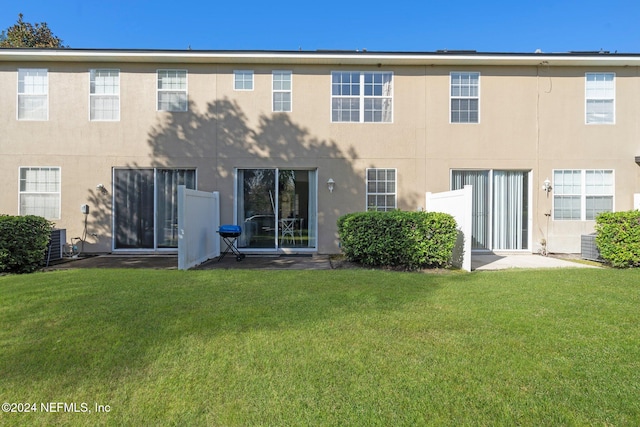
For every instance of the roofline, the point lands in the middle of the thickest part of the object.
(319, 57)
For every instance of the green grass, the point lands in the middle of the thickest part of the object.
(341, 347)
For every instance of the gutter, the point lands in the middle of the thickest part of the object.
(320, 57)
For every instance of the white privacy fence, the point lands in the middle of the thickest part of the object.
(198, 222)
(458, 204)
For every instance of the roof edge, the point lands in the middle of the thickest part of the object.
(357, 57)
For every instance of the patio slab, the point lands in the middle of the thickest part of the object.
(507, 261)
(265, 262)
(170, 262)
(298, 262)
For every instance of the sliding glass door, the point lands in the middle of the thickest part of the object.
(500, 207)
(145, 207)
(276, 208)
(510, 210)
(479, 180)
(256, 207)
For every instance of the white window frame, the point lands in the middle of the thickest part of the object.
(584, 192)
(243, 78)
(381, 192)
(173, 90)
(40, 187)
(464, 97)
(600, 94)
(96, 95)
(280, 91)
(35, 91)
(364, 94)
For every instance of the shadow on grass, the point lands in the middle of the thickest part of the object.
(98, 325)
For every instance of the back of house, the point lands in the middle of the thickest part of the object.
(98, 141)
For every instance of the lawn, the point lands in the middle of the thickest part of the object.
(340, 347)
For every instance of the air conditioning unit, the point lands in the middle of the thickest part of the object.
(56, 244)
(589, 249)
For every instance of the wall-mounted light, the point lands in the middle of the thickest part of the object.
(546, 186)
(330, 184)
(101, 189)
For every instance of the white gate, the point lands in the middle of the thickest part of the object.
(457, 203)
(198, 222)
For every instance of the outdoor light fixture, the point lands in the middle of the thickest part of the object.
(330, 184)
(546, 185)
(101, 189)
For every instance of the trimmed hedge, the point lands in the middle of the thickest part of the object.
(23, 243)
(618, 238)
(411, 240)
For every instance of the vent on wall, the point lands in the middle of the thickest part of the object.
(58, 238)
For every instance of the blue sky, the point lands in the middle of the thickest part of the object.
(375, 25)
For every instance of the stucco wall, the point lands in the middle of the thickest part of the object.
(531, 118)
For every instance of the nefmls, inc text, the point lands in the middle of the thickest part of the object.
(78, 407)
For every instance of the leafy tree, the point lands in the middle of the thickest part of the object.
(24, 34)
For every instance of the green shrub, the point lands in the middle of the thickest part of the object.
(23, 243)
(409, 240)
(618, 238)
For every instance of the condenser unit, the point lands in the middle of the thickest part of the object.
(56, 244)
(589, 249)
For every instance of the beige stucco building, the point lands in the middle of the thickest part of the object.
(118, 130)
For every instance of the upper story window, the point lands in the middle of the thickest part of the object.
(172, 90)
(104, 95)
(243, 80)
(600, 95)
(365, 97)
(282, 91)
(582, 194)
(33, 93)
(381, 189)
(465, 97)
(40, 191)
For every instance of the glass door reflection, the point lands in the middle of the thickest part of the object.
(276, 208)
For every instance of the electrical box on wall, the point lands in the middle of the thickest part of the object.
(84, 209)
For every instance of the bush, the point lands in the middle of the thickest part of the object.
(618, 238)
(410, 240)
(23, 243)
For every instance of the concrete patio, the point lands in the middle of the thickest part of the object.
(506, 261)
(482, 262)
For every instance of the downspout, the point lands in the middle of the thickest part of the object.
(544, 241)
